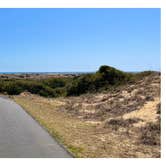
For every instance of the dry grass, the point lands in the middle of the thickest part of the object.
(122, 123)
(150, 134)
(83, 138)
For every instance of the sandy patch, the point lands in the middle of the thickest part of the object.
(147, 113)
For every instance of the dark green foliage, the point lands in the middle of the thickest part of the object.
(11, 88)
(143, 74)
(102, 79)
(60, 92)
(113, 76)
(85, 83)
(105, 78)
(15, 87)
(55, 82)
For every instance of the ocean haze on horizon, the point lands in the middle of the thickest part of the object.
(78, 72)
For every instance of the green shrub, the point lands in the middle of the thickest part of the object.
(105, 78)
(12, 88)
(113, 76)
(55, 82)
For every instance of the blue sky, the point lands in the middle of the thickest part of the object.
(59, 40)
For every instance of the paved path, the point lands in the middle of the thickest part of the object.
(23, 137)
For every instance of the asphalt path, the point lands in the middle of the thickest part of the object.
(22, 137)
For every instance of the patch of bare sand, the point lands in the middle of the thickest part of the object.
(147, 113)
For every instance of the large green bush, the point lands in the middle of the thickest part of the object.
(104, 77)
(113, 76)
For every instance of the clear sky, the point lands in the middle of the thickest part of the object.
(59, 40)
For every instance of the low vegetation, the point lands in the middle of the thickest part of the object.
(121, 119)
(150, 134)
(105, 78)
(109, 113)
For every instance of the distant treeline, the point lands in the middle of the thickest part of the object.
(106, 77)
